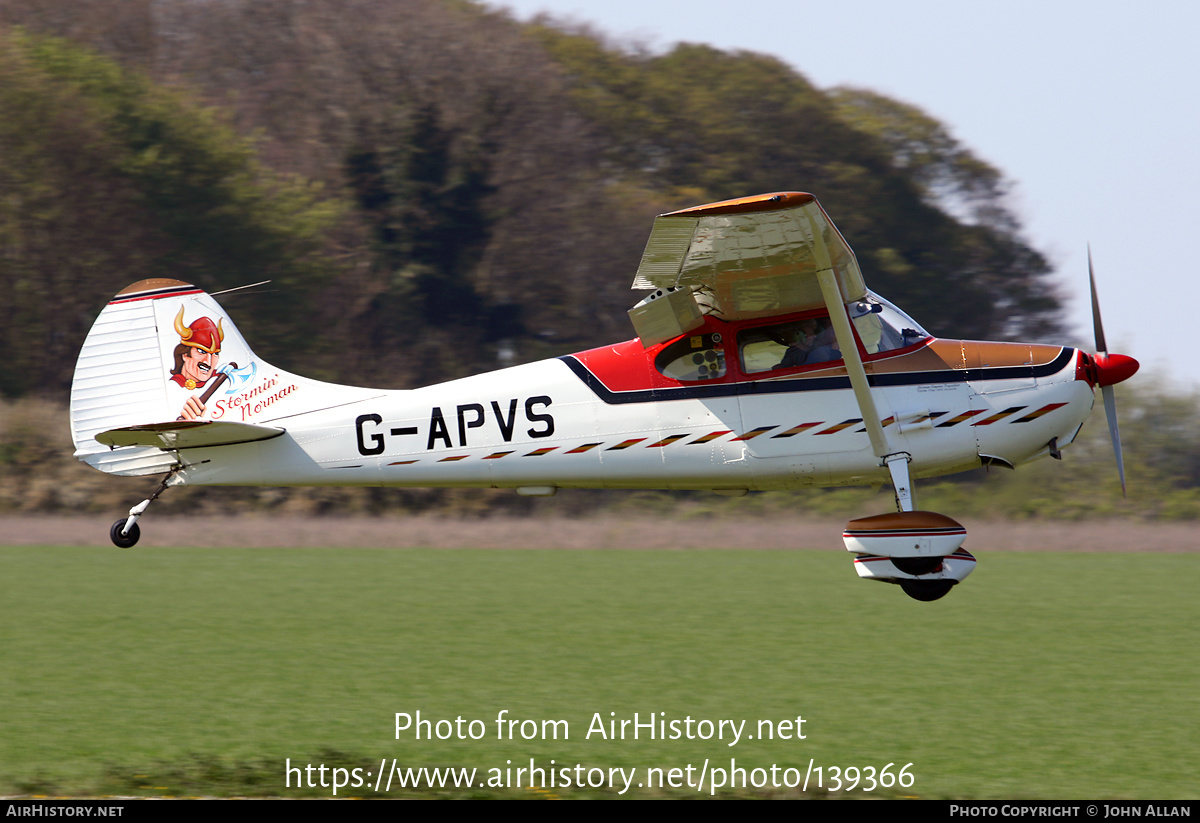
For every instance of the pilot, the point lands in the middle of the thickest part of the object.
(196, 359)
(809, 342)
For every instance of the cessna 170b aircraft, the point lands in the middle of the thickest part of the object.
(762, 361)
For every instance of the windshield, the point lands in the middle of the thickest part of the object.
(883, 327)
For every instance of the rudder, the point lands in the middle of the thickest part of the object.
(156, 345)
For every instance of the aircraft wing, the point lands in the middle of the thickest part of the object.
(752, 257)
(187, 434)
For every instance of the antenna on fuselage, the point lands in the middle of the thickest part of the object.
(239, 288)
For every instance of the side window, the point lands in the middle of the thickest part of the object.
(788, 345)
(693, 357)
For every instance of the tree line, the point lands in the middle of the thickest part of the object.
(435, 189)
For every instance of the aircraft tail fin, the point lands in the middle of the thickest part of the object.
(161, 350)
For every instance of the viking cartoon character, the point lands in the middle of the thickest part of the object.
(196, 359)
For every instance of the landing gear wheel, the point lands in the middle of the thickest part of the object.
(124, 541)
(917, 565)
(926, 590)
(127, 540)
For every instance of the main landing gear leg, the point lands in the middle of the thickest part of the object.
(917, 550)
(125, 532)
(898, 467)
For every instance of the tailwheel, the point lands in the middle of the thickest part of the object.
(125, 532)
(120, 537)
(926, 590)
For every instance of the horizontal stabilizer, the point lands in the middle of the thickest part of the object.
(187, 434)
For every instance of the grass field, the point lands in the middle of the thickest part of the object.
(183, 670)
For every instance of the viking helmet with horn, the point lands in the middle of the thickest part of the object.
(204, 334)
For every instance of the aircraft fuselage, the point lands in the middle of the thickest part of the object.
(593, 420)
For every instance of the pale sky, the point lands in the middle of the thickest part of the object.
(1091, 109)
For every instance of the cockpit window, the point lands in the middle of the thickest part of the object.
(882, 327)
(693, 357)
(786, 345)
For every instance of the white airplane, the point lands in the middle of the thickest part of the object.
(762, 362)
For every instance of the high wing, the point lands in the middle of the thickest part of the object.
(753, 257)
(748, 258)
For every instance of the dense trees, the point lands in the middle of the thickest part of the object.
(108, 178)
(436, 188)
(927, 219)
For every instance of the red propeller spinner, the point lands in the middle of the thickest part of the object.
(1114, 368)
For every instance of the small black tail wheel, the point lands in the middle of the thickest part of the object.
(124, 541)
(926, 590)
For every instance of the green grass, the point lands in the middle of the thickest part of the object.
(201, 670)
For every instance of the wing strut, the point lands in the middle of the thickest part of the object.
(896, 462)
(846, 342)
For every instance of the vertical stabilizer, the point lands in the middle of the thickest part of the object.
(156, 353)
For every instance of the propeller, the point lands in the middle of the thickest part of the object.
(1110, 370)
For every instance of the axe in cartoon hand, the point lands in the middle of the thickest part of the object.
(220, 377)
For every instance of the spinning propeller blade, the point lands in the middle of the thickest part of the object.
(1110, 410)
(1111, 370)
(1097, 323)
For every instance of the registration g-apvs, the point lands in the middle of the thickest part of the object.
(761, 361)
